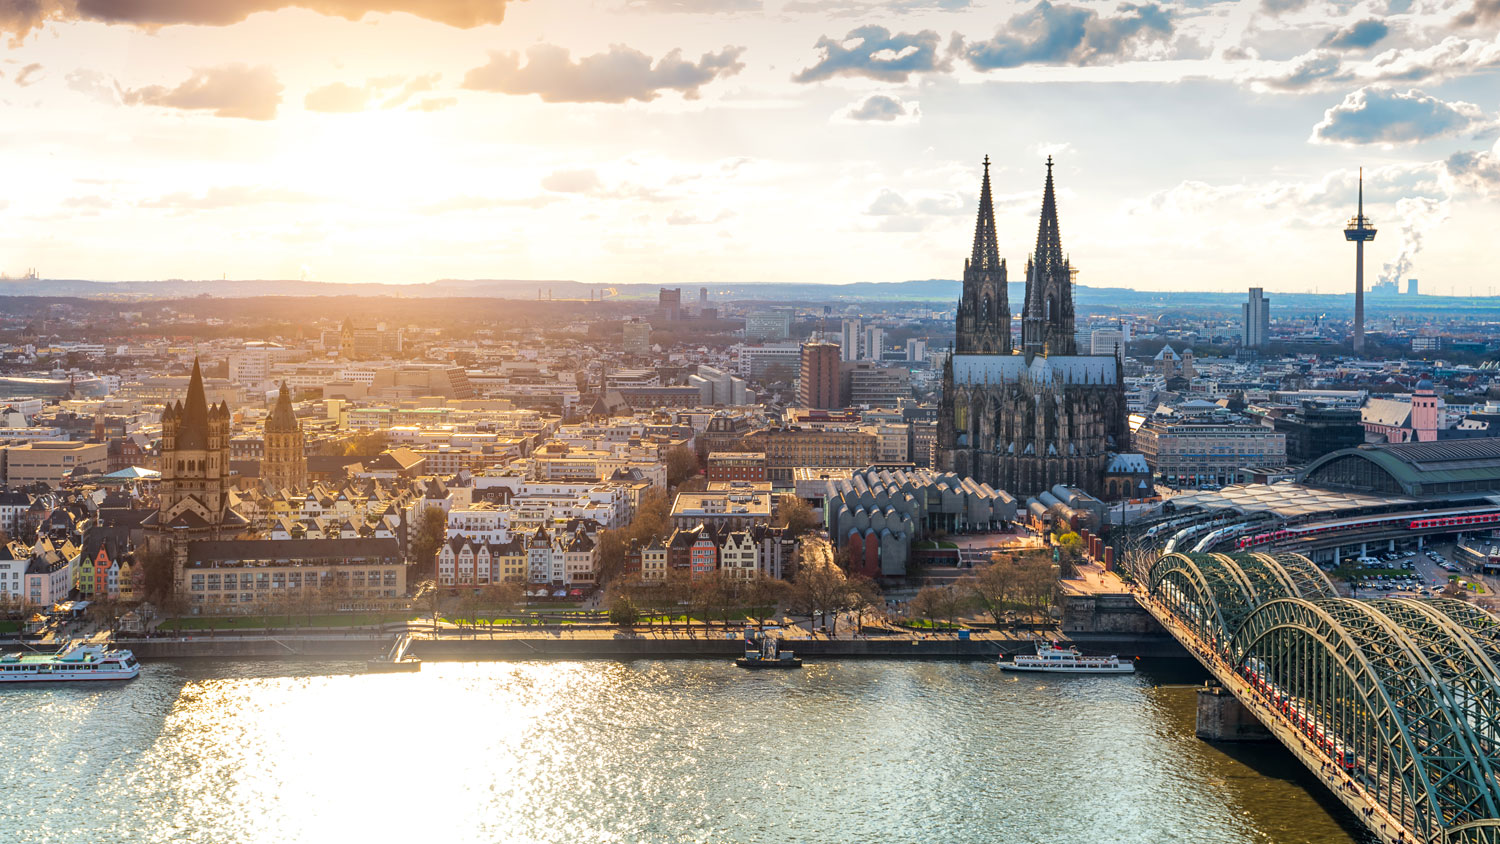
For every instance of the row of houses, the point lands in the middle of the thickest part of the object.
(743, 553)
(566, 557)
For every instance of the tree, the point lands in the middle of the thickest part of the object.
(993, 586)
(681, 465)
(367, 445)
(612, 548)
(934, 602)
(622, 611)
(820, 588)
(797, 516)
(431, 533)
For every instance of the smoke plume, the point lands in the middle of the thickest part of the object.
(1419, 214)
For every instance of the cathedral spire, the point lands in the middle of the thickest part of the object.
(986, 246)
(1049, 252)
(1047, 317)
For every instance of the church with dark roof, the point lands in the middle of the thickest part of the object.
(194, 495)
(1025, 420)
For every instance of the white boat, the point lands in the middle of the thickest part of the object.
(78, 662)
(1051, 659)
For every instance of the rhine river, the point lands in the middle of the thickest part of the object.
(656, 752)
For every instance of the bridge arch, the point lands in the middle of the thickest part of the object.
(1354, 682)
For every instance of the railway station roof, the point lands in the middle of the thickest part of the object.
(1447, 468)
(1286, 500)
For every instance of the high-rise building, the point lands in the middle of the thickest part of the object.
(916, 351)
(1360, 232)
(1046, 416)
(1411, 287)
(772, 324)
(850, 339)
(1107, 341)
(284, 465)
(874, 343)
(669, 303)
(818, 385)
(1255, 320)
(637, 333)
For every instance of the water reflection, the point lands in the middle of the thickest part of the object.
(646, 751)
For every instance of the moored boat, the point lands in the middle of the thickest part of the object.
(1049, 658)
(75, 663)
(762, 651)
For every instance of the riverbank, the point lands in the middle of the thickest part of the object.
(563, 646)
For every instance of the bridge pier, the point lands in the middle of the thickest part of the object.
(1221, 717)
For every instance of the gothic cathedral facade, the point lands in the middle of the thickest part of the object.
(1024, 420)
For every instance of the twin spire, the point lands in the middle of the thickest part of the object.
(1049, 252)
(986, 245)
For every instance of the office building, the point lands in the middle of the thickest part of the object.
(818, 383)
(1255, 320)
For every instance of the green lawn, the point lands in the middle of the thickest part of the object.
(925, 624)
(282, 622)
(10, 626)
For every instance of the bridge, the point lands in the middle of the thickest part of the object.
(1394, 703)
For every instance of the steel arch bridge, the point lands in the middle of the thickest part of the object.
(1401, 697)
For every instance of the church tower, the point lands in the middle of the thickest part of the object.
(284, 465)
(984, 311)
(193, 499)
(1047, 316)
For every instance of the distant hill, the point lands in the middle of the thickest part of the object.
(941, 292)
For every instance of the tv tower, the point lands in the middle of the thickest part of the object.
(1359, 231)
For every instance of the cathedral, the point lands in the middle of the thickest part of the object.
(1024, 420)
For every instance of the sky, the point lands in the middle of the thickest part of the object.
(1198, 145)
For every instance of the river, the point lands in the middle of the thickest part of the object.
(656, 752)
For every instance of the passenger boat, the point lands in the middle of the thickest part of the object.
(762, 651)
(78, 662)
(1052, 659)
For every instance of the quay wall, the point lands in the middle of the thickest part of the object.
(642, 647)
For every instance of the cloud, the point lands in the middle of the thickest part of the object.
(873, 52)
(19, 17)
(572, 181)
(1379, 115)
(1453, 56)
(227, 196)
(613, 77)
(233, 90)
(343, 98)
(415, 85)
(1482, 12)
(881, 108)
(682, 218)
(872, 8)
(1358, 36)
(1317, 68)
(1062, 34)
(337, 98)
(93, 84)
(483, 203)
(1276, 7)
(27, 74)
(434, 103)
(695, 7)
(1477, 171)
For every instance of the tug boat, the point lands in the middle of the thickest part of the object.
(1049, 658)
(762, 651)
(78, 662)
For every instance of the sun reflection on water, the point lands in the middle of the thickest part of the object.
(546, 753)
